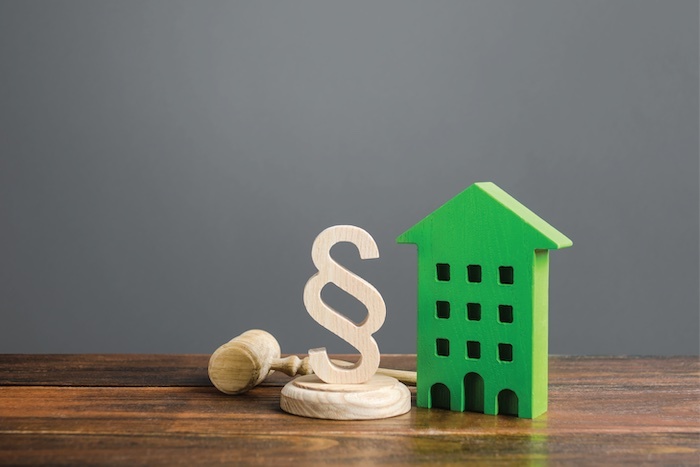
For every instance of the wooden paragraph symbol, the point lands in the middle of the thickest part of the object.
(339, 392)
(357, 335)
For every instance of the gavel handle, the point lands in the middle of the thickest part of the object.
(405, 376)
(293, 366)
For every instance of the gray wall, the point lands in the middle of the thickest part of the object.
(165, 166)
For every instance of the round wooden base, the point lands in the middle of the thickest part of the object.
(380, 397)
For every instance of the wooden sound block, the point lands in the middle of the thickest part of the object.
(380, 397)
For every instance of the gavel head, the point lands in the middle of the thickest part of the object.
(243, 362)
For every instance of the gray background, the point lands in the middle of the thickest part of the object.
(165, 166)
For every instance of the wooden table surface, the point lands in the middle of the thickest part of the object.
(161, 409)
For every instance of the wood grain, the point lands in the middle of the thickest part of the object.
(245, 361)
(103, 370)
(145, 409)
(380, 397)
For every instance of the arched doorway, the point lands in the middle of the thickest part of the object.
(439, 396)
(474, 392)
(507, 403)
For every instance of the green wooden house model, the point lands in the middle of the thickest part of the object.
(483, 273)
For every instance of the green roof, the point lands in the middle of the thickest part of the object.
(550, 238)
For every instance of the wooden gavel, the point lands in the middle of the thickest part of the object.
(246, 360)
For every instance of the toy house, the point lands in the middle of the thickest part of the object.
(483, 273)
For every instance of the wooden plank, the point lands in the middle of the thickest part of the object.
(354, 448)
(154, 410)
(103, 421)
(103, 370)
(129, 369)
(602, 409)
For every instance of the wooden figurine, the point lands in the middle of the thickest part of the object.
(338, 392)
(360, 336)
(246, 360)
(483, 273)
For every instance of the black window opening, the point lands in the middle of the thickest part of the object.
(473, 349)
(505, 275)
(505, 314)
(442, 309)
(474, 273)
(505, 352)
(442, 347)
(474, 311)
(443, 272)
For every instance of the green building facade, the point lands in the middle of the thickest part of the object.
(483, 273)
